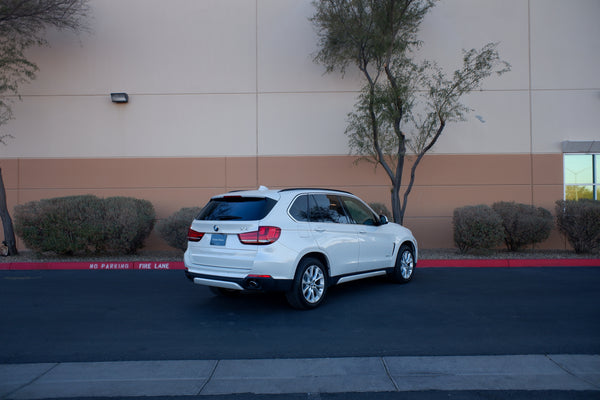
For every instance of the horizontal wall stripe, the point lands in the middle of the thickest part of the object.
(443, 182)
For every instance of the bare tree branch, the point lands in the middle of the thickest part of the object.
(379, 37)
(23, 24)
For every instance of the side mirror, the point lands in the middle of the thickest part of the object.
(383, 220)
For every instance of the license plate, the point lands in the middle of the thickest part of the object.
(218, 239)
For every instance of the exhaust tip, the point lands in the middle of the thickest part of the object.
(252, 284)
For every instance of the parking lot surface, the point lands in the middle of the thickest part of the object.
(152, 333)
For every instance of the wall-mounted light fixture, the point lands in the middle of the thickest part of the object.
(119, 97)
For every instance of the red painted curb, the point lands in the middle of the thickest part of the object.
(137, 265)
(497, 263)
(178, 265)
(462, 263)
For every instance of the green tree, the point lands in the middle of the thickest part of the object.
(575, 192)
(23, 24)
(404, 105)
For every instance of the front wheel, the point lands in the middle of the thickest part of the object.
(405, 265)
(310, 285)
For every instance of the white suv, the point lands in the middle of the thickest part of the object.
(297, 241)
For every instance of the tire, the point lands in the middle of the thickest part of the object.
(224, 292)
(405, 265)
(310, 285)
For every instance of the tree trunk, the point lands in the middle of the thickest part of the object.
(396, 205)
(415, 165)
(9, 233)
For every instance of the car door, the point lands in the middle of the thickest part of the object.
(376, 241)
(334, 233)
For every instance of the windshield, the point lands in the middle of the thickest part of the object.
(236, 208)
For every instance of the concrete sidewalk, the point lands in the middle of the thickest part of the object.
(325, 375)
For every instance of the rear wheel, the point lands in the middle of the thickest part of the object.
(310, 285)
(405, 265)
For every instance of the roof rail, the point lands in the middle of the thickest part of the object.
(260, 189)
(302, 188)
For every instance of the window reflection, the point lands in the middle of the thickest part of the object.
(332, 209)
(582, 176)
(359, 212)
(326, 208)
(299, 210)
(578, 169)
(576, 192)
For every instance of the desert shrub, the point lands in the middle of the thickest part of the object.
(65, 225)
(477, 228)
(127, 224)
(84, 224)
(579, 221)
(174, 229)
(523, 224)
(381, 209)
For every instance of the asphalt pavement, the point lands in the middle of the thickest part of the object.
(452, 332)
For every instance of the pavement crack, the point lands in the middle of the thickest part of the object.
(210, 376)
(8, 395)
(559, 365)
(387, 371)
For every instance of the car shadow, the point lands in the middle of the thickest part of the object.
(359, 291)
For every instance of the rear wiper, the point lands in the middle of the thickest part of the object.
(229, 217)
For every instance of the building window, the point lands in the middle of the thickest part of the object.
(582, 176)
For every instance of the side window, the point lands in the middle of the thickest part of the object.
(360, 213)
(299, 209)
(326, 208)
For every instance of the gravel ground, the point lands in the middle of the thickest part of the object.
(174, 255)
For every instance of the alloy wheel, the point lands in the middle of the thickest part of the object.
(407, 264)
(313, 284)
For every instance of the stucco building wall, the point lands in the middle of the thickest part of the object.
(224, 95)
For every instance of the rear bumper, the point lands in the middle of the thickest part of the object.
(249, 283)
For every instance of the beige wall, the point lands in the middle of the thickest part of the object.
(224, 95)
(444, 182)
(235, 78)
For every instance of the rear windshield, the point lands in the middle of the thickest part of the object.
(237, 208)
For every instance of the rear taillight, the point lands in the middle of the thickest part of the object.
(264, 235)
(194, 236)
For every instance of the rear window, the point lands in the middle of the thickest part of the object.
(237, 208)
